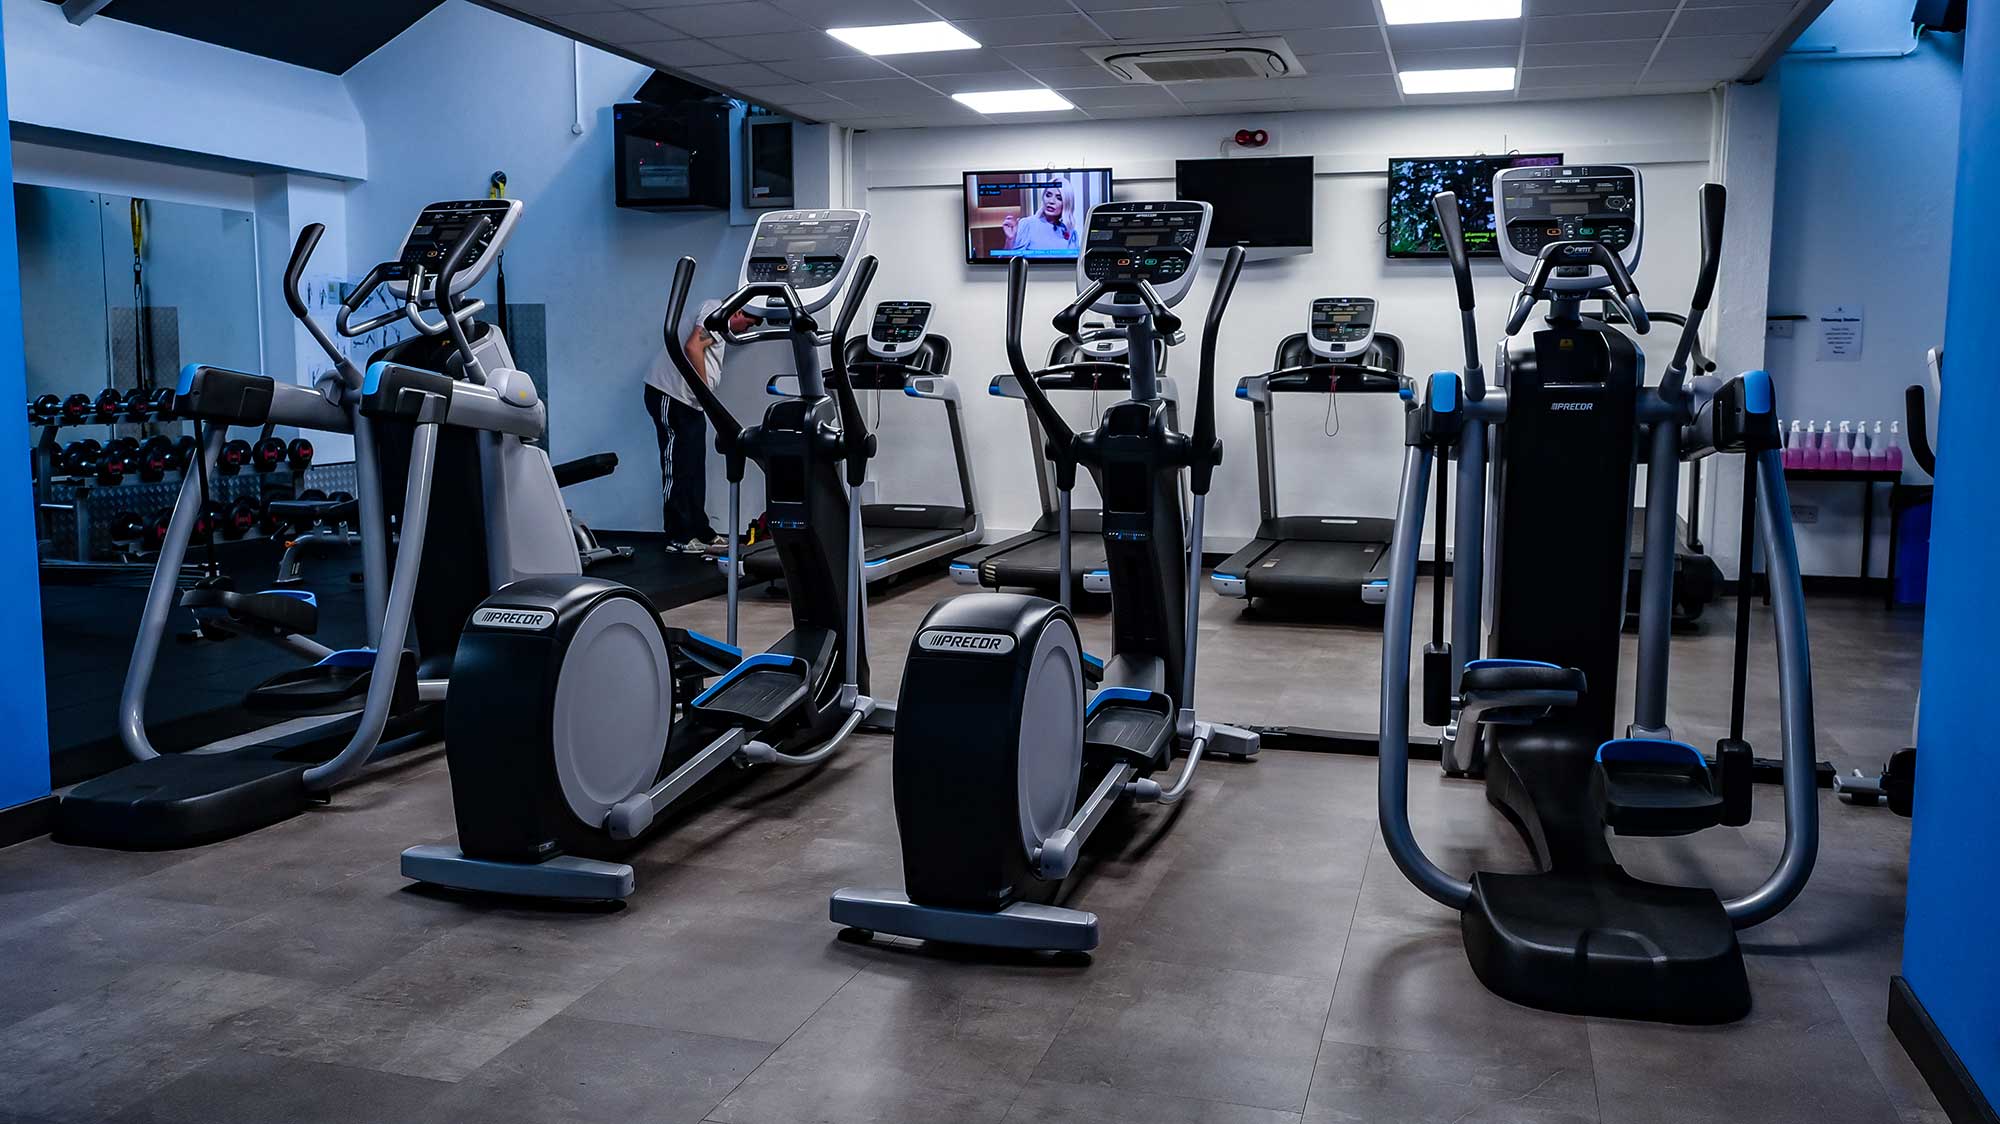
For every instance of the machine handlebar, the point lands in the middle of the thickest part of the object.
(1207, 450)
(728, 434)
(717, 322)
(1061, 438)
(455, 263)
(1445, 203)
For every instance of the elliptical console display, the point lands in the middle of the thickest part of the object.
(1588, 203)
(812, 251)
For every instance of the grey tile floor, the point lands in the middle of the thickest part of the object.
(1263, 960)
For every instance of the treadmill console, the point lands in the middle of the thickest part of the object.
(899, 328)
(1342, 327)
(1573, 203)
(1160, 241)
(813, 250)
(438, 226)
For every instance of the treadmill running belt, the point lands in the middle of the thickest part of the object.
(1300, 570)
(760, 562)
(1033, 564)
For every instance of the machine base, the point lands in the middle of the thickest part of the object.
(183, 800)
(1606, 944)
(1023, 925)
(564, 877)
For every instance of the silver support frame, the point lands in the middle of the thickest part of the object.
(1795, 703)
(1063, 501)
(1468, 547)
(1656, 588)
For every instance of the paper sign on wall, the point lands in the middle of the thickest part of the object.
(1840, 333)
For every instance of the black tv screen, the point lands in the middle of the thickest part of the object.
(1037, 215)
(1413, 180)
(1263, 202)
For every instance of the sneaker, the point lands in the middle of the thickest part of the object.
(717, 545)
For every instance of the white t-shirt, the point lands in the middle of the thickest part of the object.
(666, 378)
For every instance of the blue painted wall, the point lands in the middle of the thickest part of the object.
(1947, 953)
(24, 750)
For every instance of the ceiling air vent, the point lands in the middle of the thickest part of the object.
(1199, 62)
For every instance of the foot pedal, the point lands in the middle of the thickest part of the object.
(337, 683)
(1128, 725)
(758, 692)
(1652, 787)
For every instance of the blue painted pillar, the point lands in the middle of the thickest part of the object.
(24, 720)
(1948, 957)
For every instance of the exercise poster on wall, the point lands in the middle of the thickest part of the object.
(1840, 333)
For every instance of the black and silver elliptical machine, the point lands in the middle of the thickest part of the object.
(1329, 560)
(566, 741)
(900, 355)
(1003, 768)
(1092, 362)
(1559, 435)
(369, 700)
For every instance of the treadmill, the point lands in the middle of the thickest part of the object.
(899, 355)
(1097, 366)
(1320, 561)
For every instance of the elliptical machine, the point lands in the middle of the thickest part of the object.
(566, 739)
(1552, 446)
(1003, 768)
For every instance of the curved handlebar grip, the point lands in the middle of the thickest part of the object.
(1207, 451)
(1061, 438)
(1164, 318)
(302, 252)
(727, 431)
(855, 439)
(1714, 209)
(1635, 311)
(1072, 314)
(717, 322)
(454, 263)
(1917, 417)
(1445, 203)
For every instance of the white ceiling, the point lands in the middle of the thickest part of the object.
(776, 52)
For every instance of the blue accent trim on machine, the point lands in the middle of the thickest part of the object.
(1650, 749)
(722, 644)
(963, 566)
(372, 381)
(1757, 396)
(911, 391)
(1219, 576)
(1470, 664)
(1242, 391)
(1117, 694)
(1406, 393)
(187, 378)
(1094, 661)
(299, 594)
(349, 657)
(761, 659)
(875, 563)
(1444, 392)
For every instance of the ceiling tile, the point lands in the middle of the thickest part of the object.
(1283, 15)
(811, 104)
(1334, 40)
(737, 74)
(1449, 36)
(549, 8)
(1547, 77)
(1026, 30)
(710, 21)
(786, 45)
(1009, 79)
(1590, 29)
(1254, 105)
(681, 53)
(1458, 60)
(1341, 84)
(1532, 8)
(1233, 89)
(1705, 69)
(1357, 62)
(1057, 54)
(1625, 52)
(1586, 93)
(780, 93)
(1167, 23)
(856, 13)
(1748, 19)
(988, 9)
(877, 89)
(1074, 77)
(1711, 46)
(1131, 95)
(616, 27)
(948, 62)
(830, 70)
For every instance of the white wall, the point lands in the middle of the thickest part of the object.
(1867, 155)
(603, 272)
(123, 82)
(910, 180)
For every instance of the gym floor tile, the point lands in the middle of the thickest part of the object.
(243, 1088)
(1649, 1073)
(1204, 917)
(572, 1069)
(1047, 1102)
(1367, 1084)
(72, 950)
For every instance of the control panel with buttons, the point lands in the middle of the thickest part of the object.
(899, 328)
(1342, 327)
(439, 226)
(1159, 242)
(1572, 203)
(813, 250)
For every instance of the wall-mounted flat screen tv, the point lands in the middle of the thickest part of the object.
(1263, 203)
(1413, 180)
(1030, 214)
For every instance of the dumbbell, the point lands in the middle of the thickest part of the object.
(45, 410)
(162, 403)
(124, 446)
(268, 454)
(212, 516)
(299, 454)
(138, 405)
(153, 459)
(269, 522)
(111, 466)
(109, 405)
(79, 458)
(234, 456)
(75, 408)
(126, 526)
(155, 533)
(242, 517)
(184, 454)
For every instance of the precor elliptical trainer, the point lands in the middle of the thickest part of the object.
(566, 739)
(1003, 769)
(1553, 447)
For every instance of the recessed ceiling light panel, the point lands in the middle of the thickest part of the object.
(1469, 81)
(1037, 100)
(904, 38)
(1449, 11)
